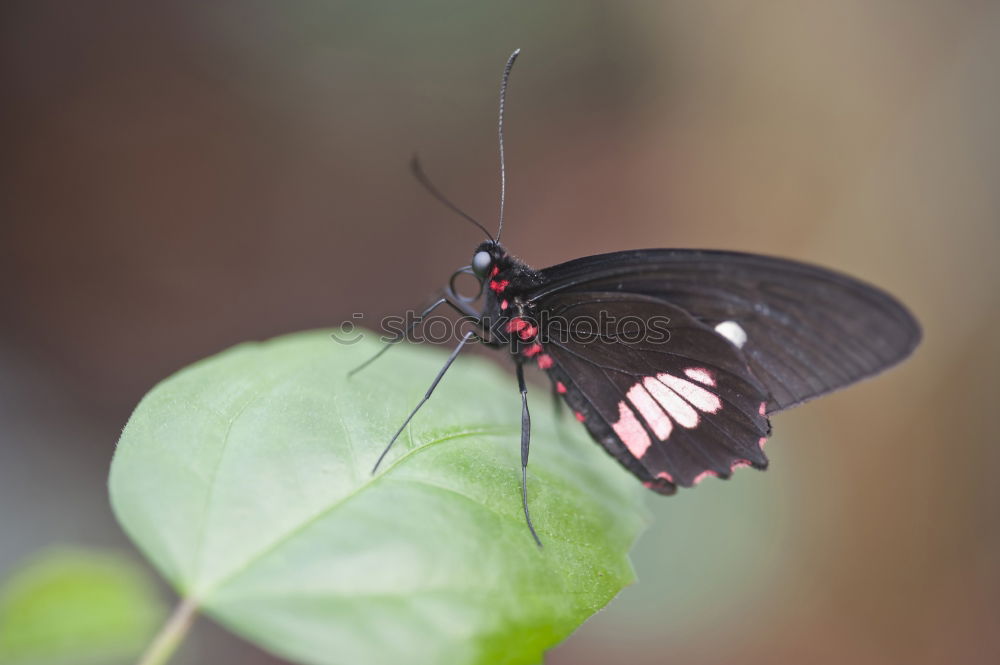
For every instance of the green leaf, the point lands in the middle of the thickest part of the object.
(246, 479)
(74, 607)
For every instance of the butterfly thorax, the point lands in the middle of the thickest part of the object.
(508, 318)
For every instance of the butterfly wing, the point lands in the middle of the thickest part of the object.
(806, 330)
(666, 395)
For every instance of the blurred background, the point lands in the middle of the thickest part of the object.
(179, 177)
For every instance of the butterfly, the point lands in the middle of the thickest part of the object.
(672, 359)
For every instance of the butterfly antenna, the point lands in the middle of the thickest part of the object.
(418, 173)
(503, 168)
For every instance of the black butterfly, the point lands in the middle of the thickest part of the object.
(673, 359)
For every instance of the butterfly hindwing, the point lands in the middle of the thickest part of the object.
(667, 396)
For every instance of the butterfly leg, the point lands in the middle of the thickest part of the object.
(399, 336)
(525, 443)
(454, 354)
(447, 299)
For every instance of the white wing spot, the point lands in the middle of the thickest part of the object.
(701, 375)
(700, 398)
(733, 332)
(682, 412)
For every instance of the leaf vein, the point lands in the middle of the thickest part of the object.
(288, 535)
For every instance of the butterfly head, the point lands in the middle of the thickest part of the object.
(487, 259)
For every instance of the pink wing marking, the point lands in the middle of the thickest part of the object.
(703, 475)
(650, 411)
(679, 410)
(631, 431)
(560, 387)
(545, 361)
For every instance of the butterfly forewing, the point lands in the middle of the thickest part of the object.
(666, 395)
(803, 330)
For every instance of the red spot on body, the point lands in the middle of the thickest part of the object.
(533, 350)
(504, 305)
(528, 331)
(496, 269)
(560, 388)
(579, 416)
(516, 324)
(499, 285)
(545, 361)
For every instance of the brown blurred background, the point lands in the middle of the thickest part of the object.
(179, 177)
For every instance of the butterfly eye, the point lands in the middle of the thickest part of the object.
(481, 263)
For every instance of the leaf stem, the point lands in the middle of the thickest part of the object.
(171, 635)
